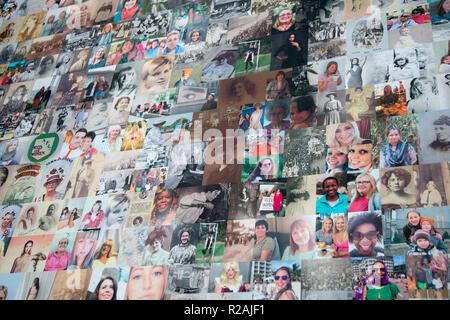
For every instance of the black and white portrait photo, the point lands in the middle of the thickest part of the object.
(227, 9)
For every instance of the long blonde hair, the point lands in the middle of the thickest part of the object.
(331, 134)
(345, 231)
(223, 277)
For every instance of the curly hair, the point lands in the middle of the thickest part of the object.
(369, 217)
(249, 86)
(399, 172)
(158, 234)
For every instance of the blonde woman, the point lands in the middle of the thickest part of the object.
(284, 21)
(105, 257)
(230, 280)
(337, 160)
(344, 134)
(367, 197)
(98, 59)
(113, 141)
(340, 238)
(325, 234)
(83, 250)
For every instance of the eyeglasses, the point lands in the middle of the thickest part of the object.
(371, 235)
(282, 277)
(362, 182)
(405, 16)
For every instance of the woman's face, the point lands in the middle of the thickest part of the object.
(127, 77)
(281, 279)
(280, 77)
(424, 87)
(13, 146)
(127, 46)
(107, 28)
(130, 4)
(335, 158)
(298, 116)
(62, 245)
(276, 115)
(146, 283)
(239, 89)
(123, 104)
(117, 214)
(195, 36)
(414, 218)
(300, 236)
(328, 225)
(260, 231)
(106, 290)
(344, 134)
(28, 247)
(365, 238)
(51, 186)
(185, 237)
(172, 41)
(115, 133)
(85, 246)
(446, 6)
(330, 188)
(231, 273)
(100, 54)
(156, 245)
(393, 137)
(105, 250)
(332, 68)
(285, 16)
(363, 185)
(426, 226)
(164, 201)
(340, 224)
(360, 156)
(266, 166)
(96, 207)
(395, 183)
(30, 213)
(379, 270)
(157, 77)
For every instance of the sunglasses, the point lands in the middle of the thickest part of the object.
(371, 235)
(379, 269)
(405, 16)
(282, 277)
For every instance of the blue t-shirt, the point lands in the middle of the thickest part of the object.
(323, 208)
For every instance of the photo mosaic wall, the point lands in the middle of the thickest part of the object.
(223, 149)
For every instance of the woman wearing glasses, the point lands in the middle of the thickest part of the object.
(378, 286)
(283, 284)
(366, 197)
(59, 259)
(365, 230)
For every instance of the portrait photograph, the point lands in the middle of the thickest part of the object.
(372, 269)
(26, 254)
(84, 176)
(70, 217)
(398, 187)
(60, 251)
(36, 285)
(227, 283)
(48, 217)
(433, 142)
(53, 179)
(108, 283)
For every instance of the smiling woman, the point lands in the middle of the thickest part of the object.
(106, 289)
(332, 201)
(156, 74)
(164, 207)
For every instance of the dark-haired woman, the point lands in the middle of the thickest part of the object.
(106, 289)
(397, 152)
(378, 286)
(283, 284)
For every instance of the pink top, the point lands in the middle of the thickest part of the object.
(341, 247)
(359, 205)
(277, 200)
(55, 263)
(93, 224)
